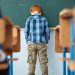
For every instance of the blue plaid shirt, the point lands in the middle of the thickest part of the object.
(36, 29)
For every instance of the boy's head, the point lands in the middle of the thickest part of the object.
(36, 9)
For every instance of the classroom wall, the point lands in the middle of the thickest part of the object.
(20, 67)
(18, 10)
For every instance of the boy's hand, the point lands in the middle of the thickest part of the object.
(46, 45)
(28, 42)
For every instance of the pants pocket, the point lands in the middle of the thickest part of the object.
(31, 47)
(43, 56)
(32, 56)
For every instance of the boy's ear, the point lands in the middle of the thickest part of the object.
(31, 13)
(40, 13)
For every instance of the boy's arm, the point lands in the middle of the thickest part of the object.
(27, 28)
(46, 32)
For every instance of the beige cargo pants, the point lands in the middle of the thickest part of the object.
(33, 50)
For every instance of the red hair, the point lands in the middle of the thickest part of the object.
(36, 8)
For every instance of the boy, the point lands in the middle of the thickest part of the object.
(37, 35)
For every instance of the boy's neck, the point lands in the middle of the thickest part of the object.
(35, 13)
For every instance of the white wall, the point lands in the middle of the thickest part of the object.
(21, 66)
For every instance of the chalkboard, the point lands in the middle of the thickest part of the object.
(18, 10)
(0, 13)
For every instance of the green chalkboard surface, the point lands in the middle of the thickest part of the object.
(18, 10)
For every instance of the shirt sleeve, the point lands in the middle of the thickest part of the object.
(46, 31)
(27, 29)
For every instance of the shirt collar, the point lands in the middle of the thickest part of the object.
(36, 14)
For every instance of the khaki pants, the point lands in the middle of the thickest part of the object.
(33, 50)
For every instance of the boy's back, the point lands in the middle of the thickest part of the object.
(37, 29)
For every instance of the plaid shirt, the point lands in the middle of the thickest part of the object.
(36, 29)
